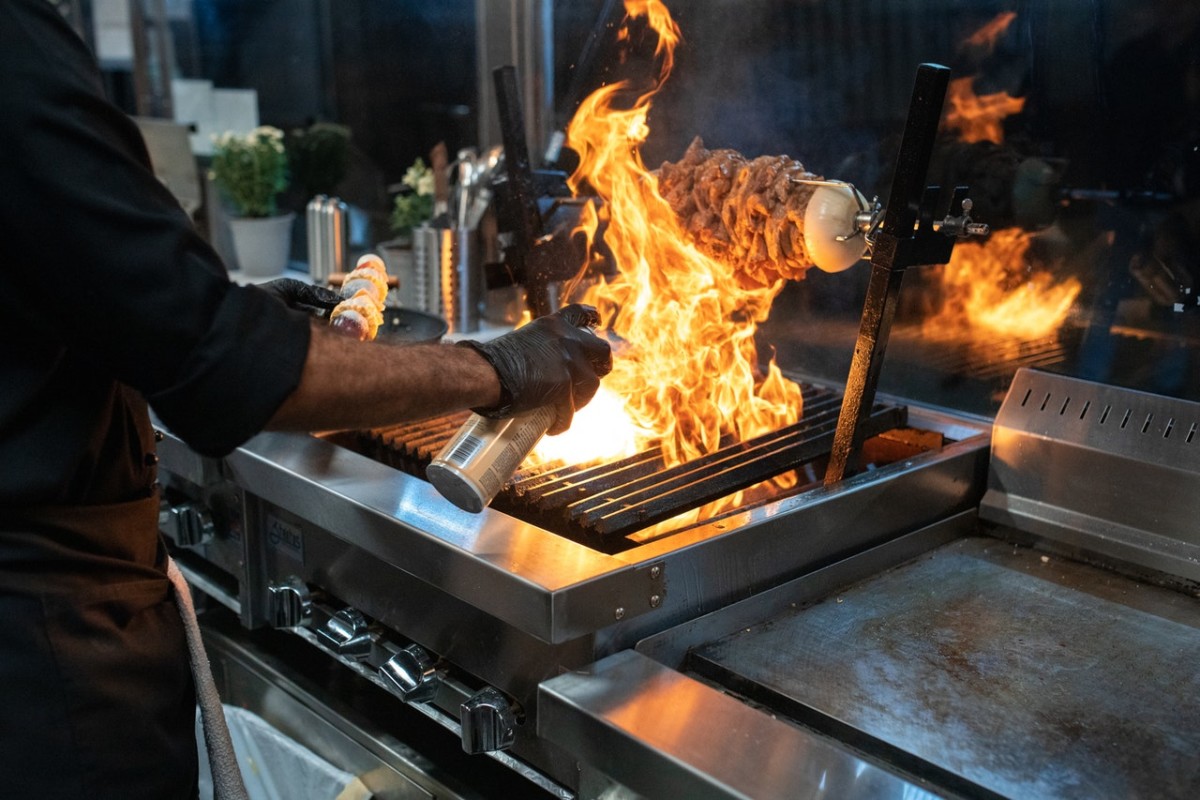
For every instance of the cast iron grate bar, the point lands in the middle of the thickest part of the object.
(957, 352)
(557, 487)
(411, 446)
(662, 495)
(601, 503)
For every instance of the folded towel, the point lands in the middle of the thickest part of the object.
(227, 778)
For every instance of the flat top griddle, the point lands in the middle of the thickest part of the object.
(991, 669)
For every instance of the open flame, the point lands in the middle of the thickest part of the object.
(993, 287)
(979, 118)
(686, 368)
(987, 36)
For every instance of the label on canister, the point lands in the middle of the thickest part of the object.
(474, 465)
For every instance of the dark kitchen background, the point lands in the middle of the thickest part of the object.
(1088, 173)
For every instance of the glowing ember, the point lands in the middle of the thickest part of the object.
(991, 287)
(685, 365)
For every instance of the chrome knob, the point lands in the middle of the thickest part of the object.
(346, 634)
(411, 675)
(289, 604)
(488, 722)
(189, 525)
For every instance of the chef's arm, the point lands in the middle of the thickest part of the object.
(556, 360)
(348, 384)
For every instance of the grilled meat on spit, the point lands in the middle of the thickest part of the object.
(746, 213)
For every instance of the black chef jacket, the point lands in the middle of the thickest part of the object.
(105, 287)
(108, 299)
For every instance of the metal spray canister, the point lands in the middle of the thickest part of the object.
(474, 465)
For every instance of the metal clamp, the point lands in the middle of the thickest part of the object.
(962, 226)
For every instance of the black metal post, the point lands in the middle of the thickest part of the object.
(888, 264)
(520, 177)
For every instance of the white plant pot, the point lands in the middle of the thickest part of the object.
(262, 244)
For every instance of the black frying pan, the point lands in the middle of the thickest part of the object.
(414, 327)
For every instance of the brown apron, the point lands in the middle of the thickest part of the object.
(96, 694)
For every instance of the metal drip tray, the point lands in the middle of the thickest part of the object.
(988, 667)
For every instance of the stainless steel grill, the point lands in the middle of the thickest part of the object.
(366, 561)
(604, 505)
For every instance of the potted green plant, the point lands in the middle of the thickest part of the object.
(319, 157)
(251, 170)
(413, 204)
(411, 207)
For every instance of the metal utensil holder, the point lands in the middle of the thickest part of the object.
(448, 275)
(328, 237)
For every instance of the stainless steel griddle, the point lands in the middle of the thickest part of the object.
(990, 668)
(1044, 646)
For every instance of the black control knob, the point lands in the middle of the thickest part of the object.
(189, 524)
(289, 604)
(346, 634)
(488, 722)
(411, 674)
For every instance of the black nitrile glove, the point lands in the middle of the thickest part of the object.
(301, 295)
(554, 360)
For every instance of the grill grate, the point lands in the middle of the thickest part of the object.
(600, 504)
(983, 358)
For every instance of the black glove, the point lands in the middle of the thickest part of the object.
(554, 360)
(302, 295)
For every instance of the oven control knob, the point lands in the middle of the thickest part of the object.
(488, 722)
(411, 675)
(190, 525)
(346, 634)
(289, 604)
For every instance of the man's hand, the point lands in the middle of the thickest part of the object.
(301, 295)
(554, 360)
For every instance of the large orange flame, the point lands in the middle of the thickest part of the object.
(992, 287)
(686, 366)
(979, 118)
